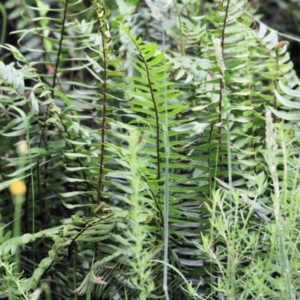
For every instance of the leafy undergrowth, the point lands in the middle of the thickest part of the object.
(148, 152)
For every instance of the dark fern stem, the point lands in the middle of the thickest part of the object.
(103, 12)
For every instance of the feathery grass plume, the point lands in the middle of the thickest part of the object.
(271, 158)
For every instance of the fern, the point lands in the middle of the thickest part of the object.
(90, 97)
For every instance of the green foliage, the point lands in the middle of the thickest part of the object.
(152, 121)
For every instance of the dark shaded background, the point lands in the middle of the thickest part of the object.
(284, 16)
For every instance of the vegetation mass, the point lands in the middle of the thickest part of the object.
(148, 150)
